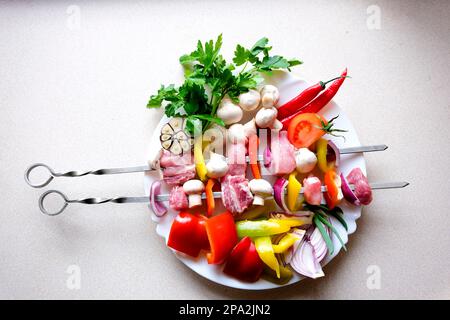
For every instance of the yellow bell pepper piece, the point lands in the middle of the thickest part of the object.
(321, 152)
(290, 222)
(293, 191)
(286, 242)
(261, 228)
(265, 251)
(199, 160)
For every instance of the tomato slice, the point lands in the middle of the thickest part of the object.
(305, 129)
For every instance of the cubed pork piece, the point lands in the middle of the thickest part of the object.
(362, 188)
(236, 195)
(178, 199)
(177, 169)
(282, 152)
(312, 190)
(237, 164)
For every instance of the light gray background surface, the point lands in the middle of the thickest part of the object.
(75, 98)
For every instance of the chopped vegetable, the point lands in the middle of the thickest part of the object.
(222, 237)
(188, 234)
(253, 143)
(261, 228)
(305, 129)
(286, 242)
(158, 207)
(279, 189)
(304, 261)
(321, 151)
(348, 193)
(200, 165)
(266, 253)
(244, 262)
(293, 191)
(210, 203)
(333, 183)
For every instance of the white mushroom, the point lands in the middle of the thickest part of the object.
(217, 166)
(261, 189)
(250, 100)
(269, 96)
(265, 117)
(250, 128)
(194, 189)
(305, 160)
(276, 125)
(229, 112)
(236, 133)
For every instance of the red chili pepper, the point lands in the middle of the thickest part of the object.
(222, 237)
(188, 234)
(318, 103)
(244, 262)
(302, 99)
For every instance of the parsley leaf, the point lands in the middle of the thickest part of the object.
(209, 78)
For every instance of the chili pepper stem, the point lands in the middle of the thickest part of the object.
(323, 84)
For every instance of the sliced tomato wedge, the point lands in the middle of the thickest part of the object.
(305, 129)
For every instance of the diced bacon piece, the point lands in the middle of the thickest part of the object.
(237, 164)
(312, 190)
(177, 169)
(178, 199)
(283, 159)
(236, 195)
(362, 188)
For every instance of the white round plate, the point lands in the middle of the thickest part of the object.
(289, 86)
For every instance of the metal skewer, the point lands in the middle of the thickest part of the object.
(165, 197)
(72, 174)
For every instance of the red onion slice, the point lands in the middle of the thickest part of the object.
(158, 207)
(319, 244)
(267, 157)
(305, 262)
(347, 191)
(278, 193)
(333, 154)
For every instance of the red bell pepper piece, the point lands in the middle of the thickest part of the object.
(222, 237)
(333, 183)
(188, 234)
(244, 262)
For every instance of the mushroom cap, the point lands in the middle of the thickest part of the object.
(265, 117)
(229, 112)
(269, 96)
(260, 186)
(217, 165)
(193, 186)
(249, 101)
(236, 133)
(305, 160)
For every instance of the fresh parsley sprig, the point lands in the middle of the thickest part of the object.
(209, 78)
